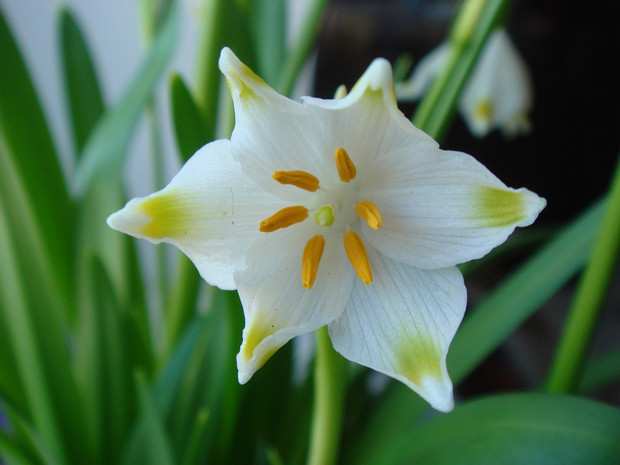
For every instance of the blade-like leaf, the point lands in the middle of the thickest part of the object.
(106, 148)
(268, 26)
(22, 331)
(533, 429)
(158, 446)
(10, 451)
(27, 150)
(82, 90)
(190, 128)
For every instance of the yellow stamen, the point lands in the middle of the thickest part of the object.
(357, 256)
(310, 261)
(284, 218)
(346, 167)
(370, 212)
(297, 178)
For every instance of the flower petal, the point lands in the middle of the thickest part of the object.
(273, 133)
(440, 208)
(424, 74)
(367, 122)
(402, 325)
(276, 305)
(210, 211)
(499, 92)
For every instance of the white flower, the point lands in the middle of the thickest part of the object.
(338, 213)
(498, 93)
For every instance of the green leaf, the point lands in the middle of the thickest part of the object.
(27, 348)
(158, 448)
(82, 89)
(299, 52)
(192, 131)
(533, 429)
(10, 451)
(105, 362)
(105, 150)
(601, 372)
(29, 163)
(268, 21)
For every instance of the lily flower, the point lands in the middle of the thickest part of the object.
(340, 213)
(498, 94)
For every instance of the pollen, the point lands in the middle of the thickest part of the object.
(284, 218)
(297, 178)
(370, 212)
(346, 167)
(310, 261)
(357, 256)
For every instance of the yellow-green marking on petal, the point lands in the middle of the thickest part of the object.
(417, 358)
(500, 207)
(258, 331)
(169, 214)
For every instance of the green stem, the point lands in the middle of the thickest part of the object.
(297, 56)
(329, 393)
(472, 26)
(586, 306)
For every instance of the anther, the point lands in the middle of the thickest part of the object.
(357, 256)
(283, 218)
(346, 167)
(370, 212)
(297, 178)
(310, 261)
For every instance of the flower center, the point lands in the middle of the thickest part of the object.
(325, 216)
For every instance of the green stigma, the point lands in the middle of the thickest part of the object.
(325, 216)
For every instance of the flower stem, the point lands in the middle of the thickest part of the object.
(329, 393)
(586, 306)
(473, 25)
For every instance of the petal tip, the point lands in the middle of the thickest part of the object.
(438, 393)
(128, 220)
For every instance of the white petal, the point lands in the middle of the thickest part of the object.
(499, 92)
(441, 208)
(276, 306)
(271, 131)
(402, 325)
(423, 75)
(210, 211)
(274, 133)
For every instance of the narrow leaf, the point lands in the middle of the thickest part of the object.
(26, 147)
(268, 26)
(157, 445)
(82, 89)
(105, 150)
(192, 131)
